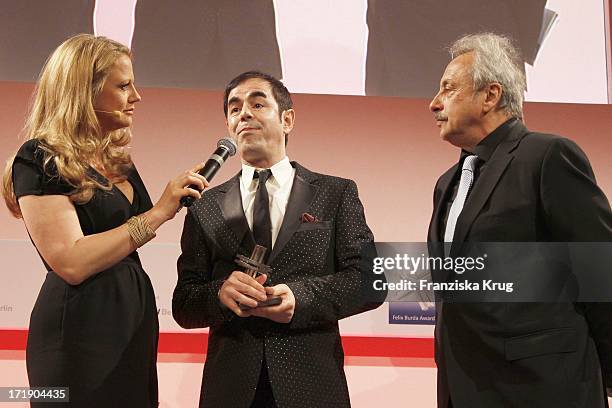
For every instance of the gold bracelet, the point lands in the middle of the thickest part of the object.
(140, 230)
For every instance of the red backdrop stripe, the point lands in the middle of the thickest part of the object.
(196, 343)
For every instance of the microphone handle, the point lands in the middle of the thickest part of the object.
(208, 171)
(212, 165)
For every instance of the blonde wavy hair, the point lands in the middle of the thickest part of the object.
(62, 118)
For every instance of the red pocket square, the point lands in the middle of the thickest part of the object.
(309, 218)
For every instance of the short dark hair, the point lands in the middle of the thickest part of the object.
(279, 91)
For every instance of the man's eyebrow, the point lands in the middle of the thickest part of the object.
(232, 100)
(257, 94)
(254, 94)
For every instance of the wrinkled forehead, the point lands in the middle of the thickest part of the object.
(459, 69)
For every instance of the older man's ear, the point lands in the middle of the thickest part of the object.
(493, 94)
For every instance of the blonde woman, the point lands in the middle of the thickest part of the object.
(94, 326)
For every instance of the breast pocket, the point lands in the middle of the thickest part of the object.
(309, 226)
(497, 223)
(308, 248)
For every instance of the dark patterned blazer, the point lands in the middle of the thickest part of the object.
(321, 263)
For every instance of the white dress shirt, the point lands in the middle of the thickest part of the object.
(278, 186)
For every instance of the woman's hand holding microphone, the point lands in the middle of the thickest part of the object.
(166, 207)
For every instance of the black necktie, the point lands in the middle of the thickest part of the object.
(262, 226)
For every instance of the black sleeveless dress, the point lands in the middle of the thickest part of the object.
(100, 337)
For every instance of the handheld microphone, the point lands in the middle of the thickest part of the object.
(226, 147)
(114, 113)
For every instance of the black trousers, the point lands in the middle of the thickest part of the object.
(263, 395)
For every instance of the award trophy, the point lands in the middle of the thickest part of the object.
(254, 266)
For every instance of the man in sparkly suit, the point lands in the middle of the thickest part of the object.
(290, 354)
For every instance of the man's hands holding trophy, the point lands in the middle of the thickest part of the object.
(244, 294)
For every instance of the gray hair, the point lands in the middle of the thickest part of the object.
(496, 59)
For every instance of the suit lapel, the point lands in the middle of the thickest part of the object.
(435, 242)
(230, 202)
(499, 161)
(300, 199)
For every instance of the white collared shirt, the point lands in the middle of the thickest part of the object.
(278, 186)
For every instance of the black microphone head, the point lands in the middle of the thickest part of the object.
(229, 144)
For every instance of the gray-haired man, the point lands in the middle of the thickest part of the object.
(514, 185)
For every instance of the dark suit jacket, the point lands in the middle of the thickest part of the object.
(535, 187)
(319, 261)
